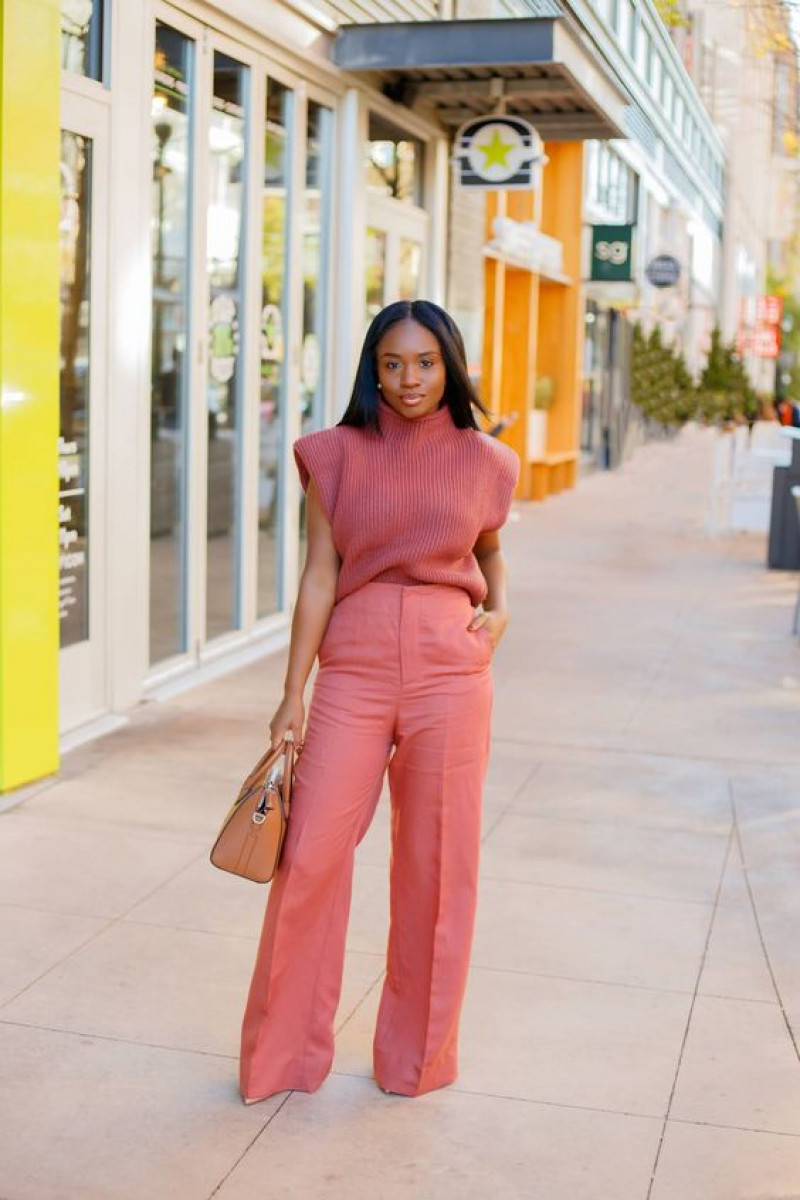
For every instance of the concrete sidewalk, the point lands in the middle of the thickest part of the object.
(631, 1026)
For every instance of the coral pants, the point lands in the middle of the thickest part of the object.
(397, 667)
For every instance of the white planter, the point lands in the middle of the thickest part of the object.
(537, 435)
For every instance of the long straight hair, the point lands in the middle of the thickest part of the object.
(459, 395)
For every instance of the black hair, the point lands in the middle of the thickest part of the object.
(459, 393)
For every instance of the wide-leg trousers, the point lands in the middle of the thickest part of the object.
(403, 683)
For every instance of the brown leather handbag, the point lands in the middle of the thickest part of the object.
(251, 838)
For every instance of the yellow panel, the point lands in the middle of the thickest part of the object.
(29, 357)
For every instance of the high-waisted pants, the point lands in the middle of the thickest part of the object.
(397, 668)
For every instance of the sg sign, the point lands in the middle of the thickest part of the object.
(611, 253)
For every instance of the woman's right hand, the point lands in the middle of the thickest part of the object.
(289, 716)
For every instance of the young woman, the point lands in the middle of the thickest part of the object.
(405, 497)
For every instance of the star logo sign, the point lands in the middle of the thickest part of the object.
(496, 151)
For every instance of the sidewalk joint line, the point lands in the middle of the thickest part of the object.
(107, 1037)
(690, 1013)
(250, 1145)
(759, 929)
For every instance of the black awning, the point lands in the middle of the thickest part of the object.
(541, 68)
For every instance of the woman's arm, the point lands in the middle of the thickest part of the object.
(315, 599)
(493, 568)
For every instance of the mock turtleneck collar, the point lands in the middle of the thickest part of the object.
(395, 424)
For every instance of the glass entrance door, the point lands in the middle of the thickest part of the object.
(81, 461)
(241, 195)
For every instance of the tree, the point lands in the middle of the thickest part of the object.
(661, 385)
(724, 391)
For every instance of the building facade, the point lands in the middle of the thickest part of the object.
(743, 61)
(203, 205)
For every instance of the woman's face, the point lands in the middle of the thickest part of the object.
(411, 370)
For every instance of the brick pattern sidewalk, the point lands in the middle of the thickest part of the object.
(634, 1002)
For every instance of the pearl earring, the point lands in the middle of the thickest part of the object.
(380, 387)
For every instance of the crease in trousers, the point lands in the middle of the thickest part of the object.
(398, 668)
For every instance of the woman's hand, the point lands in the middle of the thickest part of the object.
(495, 621)
(289, 717)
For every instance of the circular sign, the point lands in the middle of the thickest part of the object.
(499, 151)
(223, 338)
(663, 271)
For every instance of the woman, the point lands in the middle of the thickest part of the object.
(404, 500)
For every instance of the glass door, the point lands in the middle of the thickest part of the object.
(242, 158)
(81, 460)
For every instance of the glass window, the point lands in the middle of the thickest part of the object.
(394, 162)
(275, 216)
(633, 31)
(409, 269)
(375, 271)
(225, 258)
(82, 37)
(73, 444)
(171, 116)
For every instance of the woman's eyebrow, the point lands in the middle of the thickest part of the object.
(420, 354)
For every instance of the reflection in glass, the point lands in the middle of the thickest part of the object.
(375, 271)
(73, 445)
(408, 269)
(225, 262)
(82, 37)
(275, 209)
(316, 206)
(171, 156)
(394, 162)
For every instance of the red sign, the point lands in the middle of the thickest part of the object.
(760, 326)
(769, 310)
(767, 341)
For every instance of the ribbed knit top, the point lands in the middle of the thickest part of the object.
(407, 505)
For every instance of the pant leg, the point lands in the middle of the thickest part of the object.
(436, 779)
(287, 1030)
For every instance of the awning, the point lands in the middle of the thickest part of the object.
(545, 69)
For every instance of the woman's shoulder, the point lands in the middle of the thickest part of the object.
(497, 455)
(321, 438)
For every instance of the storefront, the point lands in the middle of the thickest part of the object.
(236, 196)
(214, 179)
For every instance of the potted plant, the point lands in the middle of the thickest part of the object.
(543, 396)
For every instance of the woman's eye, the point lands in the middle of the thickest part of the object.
(426, 362)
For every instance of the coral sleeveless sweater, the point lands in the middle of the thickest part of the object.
(407, 505)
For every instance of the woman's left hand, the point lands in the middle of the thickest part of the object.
(494, 620)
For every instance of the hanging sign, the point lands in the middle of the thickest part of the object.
(663, 271)
(611, 253)
(497, 153)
